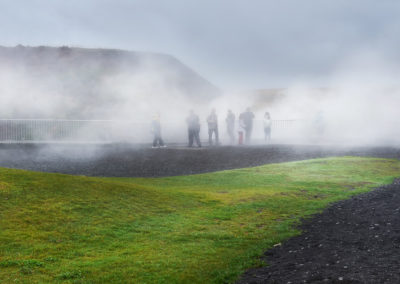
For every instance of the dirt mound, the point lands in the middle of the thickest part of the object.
(353, 241)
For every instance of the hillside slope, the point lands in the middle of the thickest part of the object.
(94, 83)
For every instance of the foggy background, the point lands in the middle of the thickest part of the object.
(312, 61)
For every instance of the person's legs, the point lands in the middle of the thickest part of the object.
(248, 135)
(210, 131)
(231, 135)
(160, 141)
(240, 133)
(216, 136)
(190, 132)
(155, 141)
(197, 138)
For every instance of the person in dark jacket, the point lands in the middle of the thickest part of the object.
(230, 126)
(156, 129)
(212, 121)
(193, 123)
(246, 120)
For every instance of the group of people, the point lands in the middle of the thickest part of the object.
(193, 123)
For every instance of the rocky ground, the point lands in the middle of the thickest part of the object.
(124, 160)
(353, 241)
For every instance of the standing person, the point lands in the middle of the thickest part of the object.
(156, 129)
(193, 123)
(246, 119)
(230, 125)
(212, 121)
(267, 126)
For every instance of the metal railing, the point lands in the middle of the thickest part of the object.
(55, 130)
(58, 130)
(284, 124)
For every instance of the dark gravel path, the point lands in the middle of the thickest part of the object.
(353, 241)
(124, 160)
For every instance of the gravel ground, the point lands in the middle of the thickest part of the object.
(124, 160)
(353, 241)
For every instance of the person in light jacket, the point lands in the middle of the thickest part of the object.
(156, 129)
(212, 121)
(230, 126)
(267, 127)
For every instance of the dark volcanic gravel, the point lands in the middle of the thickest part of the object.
(353, 241)
(124, 160)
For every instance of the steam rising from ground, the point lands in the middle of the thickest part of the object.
(359, 105)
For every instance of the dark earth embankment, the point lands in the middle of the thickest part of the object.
(124, 160)
(353, 241)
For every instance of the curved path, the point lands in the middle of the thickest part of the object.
(124, 160)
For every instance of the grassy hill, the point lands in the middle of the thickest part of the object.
(205, 228)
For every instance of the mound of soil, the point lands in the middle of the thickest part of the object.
(124, 160)
(353, 241)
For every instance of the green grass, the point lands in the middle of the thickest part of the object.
(205, 228)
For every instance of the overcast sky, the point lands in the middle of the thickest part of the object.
(235, 44)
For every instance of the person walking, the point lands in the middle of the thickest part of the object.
(156, 129)
(212, 121)
(193, 123)
(246, 120)
(267, 127)
(230, 126)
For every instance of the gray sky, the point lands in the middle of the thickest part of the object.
(235, 44)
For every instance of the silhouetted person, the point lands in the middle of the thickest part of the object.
(156, 129)
(212, 121)
(267, 126)
(230, 126)
(246, 121)
(193, 123)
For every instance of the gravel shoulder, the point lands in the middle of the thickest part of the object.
(353, 241)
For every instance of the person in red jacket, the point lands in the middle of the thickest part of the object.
(246, 120)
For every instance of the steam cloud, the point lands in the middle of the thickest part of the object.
(359, 105)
